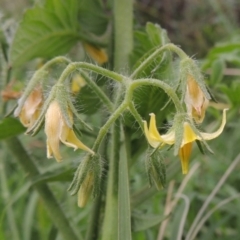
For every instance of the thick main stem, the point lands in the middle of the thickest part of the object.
(110, 224)
(52, 206)
(123, 33)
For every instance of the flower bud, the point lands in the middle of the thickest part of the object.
(156, 169)
(87, 179)
(31, 108)
(195, 100)
(85, 190)
(195, 93)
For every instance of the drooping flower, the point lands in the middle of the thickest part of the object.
(57, 130)
(189, 136)
(31, 108)
(99, 55)
(195, 100)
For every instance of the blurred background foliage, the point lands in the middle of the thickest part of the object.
(206, 30)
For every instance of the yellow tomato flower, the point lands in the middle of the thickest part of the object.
(189, 136)
(196, 101)
(99, 55)
(57, 130)
(31, 108)
(77, 83)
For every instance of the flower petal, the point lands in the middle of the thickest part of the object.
(210, 136)
(53, 125)
(153, 128)
(168, 138)
(151, 140)
(74, 142)
(189, 135)
(184, 154)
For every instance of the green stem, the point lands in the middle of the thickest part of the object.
(148, 60)
(110, 222)
(104, 129)
(103, 97)
(90, 67)
(135, 114)
(155, 82)
(53, 208)
(123, 33)
(93, 224)
(124, 209)
(38, 77)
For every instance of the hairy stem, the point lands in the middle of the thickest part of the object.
(149, 59)
(123, 33)
(110, 222)
(90, 67)
(103, 97)
(104, 129)
(155, 82)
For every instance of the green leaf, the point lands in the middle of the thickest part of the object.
(10, 127)
(149, 99)
(218, 67)
(144, 221)
(46, 31)
(87, 101)
(157, 35)
(146, 43)
(56, 176)
(92, 17)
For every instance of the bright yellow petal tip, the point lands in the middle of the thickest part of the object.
(184, 154)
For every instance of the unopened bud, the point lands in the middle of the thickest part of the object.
(85, 190)
(156, 169)
(87, 179)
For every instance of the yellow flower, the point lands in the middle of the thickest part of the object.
(99, 55)
(196, 101)
(31, 108)
(77, 83)
(189, 136)
(57, 130)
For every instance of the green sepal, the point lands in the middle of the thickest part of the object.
(39, 122)
(37, 78)
(62, 98)
(200, 147)
(156, 169)
(91, 164)
(196, 131)
(188, 67)
(179, 131)
(77, 115)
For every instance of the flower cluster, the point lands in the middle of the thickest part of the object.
(58, 120)
(196, 99)
(156, 140)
